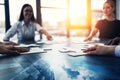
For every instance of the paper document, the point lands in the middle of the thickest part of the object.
(35, 50)
(28, 45)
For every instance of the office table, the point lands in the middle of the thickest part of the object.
(54, 65)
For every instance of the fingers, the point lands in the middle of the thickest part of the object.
(91, 52)
(13, 52)
(8, 51)
(87, 40)
(16, 51)
(90, 49)
(20, 50)
(49, 37)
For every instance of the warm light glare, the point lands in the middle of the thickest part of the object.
(95, 6)
(77, 12)
(77, 8)
(53, 59)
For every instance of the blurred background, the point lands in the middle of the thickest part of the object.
(60, 17)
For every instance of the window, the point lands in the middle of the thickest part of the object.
(78, 17)
(78, 12)
(2, 19)
(2, 14)
(54, 16)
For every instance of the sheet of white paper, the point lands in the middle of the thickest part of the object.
(46, 49)
(34, 50)
(28, 45)
(66, 50)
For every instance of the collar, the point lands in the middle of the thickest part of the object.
(23, 23)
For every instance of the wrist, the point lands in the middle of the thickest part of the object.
(111, 50)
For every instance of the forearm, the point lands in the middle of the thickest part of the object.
(110, 50)
(93, 33)
(44, 32)
(48, 36)
(9, 34)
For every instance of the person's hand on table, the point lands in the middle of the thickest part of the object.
(100, 50)
(49, 37)
(89, 38)
(11, 50)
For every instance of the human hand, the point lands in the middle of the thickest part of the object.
(89, 38)
(11, 50)
(100, 50)
(49, 37)
(115, 41)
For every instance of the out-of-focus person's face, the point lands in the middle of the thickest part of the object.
(108, 9)
(27, 13)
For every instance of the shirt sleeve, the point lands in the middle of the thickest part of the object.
(117, 51)
(11, 32)
(38, 27)
(98, 24)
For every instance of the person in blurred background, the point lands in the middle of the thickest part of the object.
(26, 26)
(109, 27)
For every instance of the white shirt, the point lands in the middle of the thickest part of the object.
(117, 51)
(23, 32)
